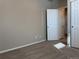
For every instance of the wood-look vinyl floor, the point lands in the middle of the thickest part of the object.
(43, 50)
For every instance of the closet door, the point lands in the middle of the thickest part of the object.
(75, 23)
(52, 24)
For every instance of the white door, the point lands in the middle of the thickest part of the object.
(75, 23)
(52, 24)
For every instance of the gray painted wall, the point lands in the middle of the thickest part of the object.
(58, 3)
(62, 3)
(22, 22)
(55, 4)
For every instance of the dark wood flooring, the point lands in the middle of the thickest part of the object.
(43, 50)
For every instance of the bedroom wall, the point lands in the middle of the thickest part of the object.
(62, 3)
(22, 22)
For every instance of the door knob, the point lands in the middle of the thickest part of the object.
(72, 26)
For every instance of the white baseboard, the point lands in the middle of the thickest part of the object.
(4, 51)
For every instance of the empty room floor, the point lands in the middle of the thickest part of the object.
(43, 50)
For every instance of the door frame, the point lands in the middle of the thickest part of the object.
(69, 22)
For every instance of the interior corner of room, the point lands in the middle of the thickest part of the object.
(27, 22)
(24, 23)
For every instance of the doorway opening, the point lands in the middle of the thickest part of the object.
(63, 24)
(58, 23)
